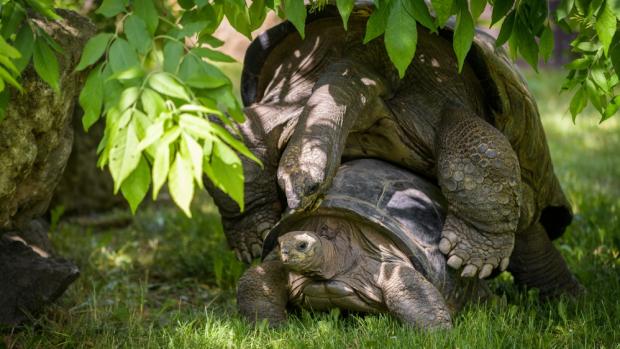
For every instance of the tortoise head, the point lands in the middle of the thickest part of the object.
(302, 251)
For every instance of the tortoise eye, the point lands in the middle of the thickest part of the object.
(302, 246)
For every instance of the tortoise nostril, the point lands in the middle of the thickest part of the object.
(302, 246)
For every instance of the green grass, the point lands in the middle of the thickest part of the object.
(167, 281)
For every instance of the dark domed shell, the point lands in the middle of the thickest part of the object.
(512, 109)
(405, 207)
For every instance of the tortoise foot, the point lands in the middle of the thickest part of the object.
(478, 253)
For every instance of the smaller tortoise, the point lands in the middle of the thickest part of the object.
(372, 247)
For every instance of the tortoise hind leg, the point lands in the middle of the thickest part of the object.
(262, 293)
(412, 298)
(536, 263)
(478, 172)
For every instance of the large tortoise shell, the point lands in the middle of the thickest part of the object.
(512, 107)
(403, 206)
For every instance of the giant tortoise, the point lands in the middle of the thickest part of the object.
(371, 246)
(313, 103)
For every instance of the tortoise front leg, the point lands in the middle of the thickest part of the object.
(478, 172)
(262, 293)
(412, 298)
(313, 153)
(261, 132)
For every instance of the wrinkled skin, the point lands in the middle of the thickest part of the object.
(329, 98)
(347, 265)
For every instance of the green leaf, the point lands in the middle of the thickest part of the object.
(211, 41)
(257, 13)
(595, 96)
(377, 22)
(46, 64)
(238, 17)
(578, 103)
(579, 63)
(195, 125)
(598, 76)
(152, 103)
(135, 187)
(110, 8)
(94, 49)
(130, 73)
(91, 98)
(166, 83)
(546, 43)
(128, 98)
(443, 10)
(606, 25)
(11, 18)
(44, 8)
(344, 8)
(500, 9)
(526, 43)
(200, 74)
(564, 9)
(124, 154)
(477, 7)
(186, 4)
(614, 53)
(153, 134)
(400, 37)
(506, 32)
(137, 34)
(6, 76)
(463, 33)
(9, 64)
(226, 172)
(181, 183)
(4, 102)
(418, 10)
(161, 167)
(122, 56)
(173, 51)
(194, 152)
(296, 13)
(238, 145)
(146, 10)
(212, 55)
(8, 50)
(24, 43)
(611, 109)
(111, 87)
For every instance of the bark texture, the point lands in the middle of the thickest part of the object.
(37, 134)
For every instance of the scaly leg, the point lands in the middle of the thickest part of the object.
(536, 263)
(261, 132)
(313, 153)
(262, 293)
(478, 172)
(412, 298)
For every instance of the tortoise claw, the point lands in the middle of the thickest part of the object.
(469, 271)
(455, 262)
(445, 246)
(257, 251)
(504, 264)
(485, 271)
